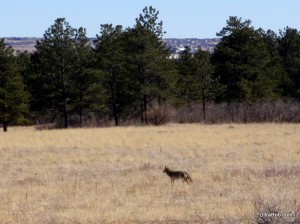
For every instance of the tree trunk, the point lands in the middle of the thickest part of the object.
(141, 109)
(203, 104)
(80, 105)
(116, 117)
(65, 107)
(4, 121)
(204, 110)
(66, 122)
(113, 97)
(145, 109)
(114, 108)
(64, 92)
(5, 124)
(80, 116)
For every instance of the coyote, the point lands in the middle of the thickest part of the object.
(178, 175)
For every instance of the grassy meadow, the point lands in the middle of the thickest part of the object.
(114, 175)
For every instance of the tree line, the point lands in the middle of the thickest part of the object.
(129, 75)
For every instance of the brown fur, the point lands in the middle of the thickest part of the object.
(174, 175)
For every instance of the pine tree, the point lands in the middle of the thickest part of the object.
(196, 83)
(242, 62)
(56, 57)
(289, 47)
(87, 91)
(14, 100)
(111, 60)
(148, 57)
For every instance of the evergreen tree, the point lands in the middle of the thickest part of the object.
(196, 83)
(242, 62)
(63, 80)
(148, 57)
(186, 85)
(208, 86)
(23, 61)
(56, 57)
(149, 21)
(116, 80)
(289, 45)
(275, 69)
(87, 91)
(13, 97)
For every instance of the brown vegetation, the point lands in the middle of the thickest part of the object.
(114, 175)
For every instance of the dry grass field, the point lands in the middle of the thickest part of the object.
(114, 175)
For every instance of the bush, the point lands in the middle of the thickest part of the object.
(159, 114)
(268, 211)
(241, 112)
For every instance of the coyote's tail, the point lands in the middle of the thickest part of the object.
(189, 178)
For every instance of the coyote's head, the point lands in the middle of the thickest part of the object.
(166, 169)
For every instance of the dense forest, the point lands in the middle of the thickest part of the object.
(128, 77)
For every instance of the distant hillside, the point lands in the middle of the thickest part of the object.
(22, 43)
(176, 44)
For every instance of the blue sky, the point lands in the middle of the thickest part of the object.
(189, 18)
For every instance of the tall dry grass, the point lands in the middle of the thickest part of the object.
(114, 175)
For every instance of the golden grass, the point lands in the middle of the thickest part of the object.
(114, 175)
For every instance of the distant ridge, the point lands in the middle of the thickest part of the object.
(21, 43)
(176, 44)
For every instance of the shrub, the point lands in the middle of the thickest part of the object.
(159, 114)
